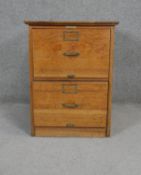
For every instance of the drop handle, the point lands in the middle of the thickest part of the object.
(71, 76)
(70, 105)
(71, 54)
(70, 125)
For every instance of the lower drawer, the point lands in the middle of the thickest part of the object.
(70, 119)
(70, 104)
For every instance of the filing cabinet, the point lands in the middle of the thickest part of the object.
(71, 77)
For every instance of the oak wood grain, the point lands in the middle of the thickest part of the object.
(70, 118)
(69, 132)
(52, 95)
(109, 108)
(90, 53)
(31, 81)
(59, 104)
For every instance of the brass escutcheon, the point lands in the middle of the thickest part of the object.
(70, 125)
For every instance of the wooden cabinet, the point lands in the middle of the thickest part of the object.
(71, 77)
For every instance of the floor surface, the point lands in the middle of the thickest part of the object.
(21, 154)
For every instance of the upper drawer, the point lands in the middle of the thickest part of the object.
(71, 52)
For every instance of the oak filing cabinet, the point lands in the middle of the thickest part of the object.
(71, 77)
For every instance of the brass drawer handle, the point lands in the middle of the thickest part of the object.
(70, 105)
(72, 54)
(71, 76)
(70, 125)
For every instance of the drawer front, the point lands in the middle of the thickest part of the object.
(70, 104)
(70, 95)
(65, 53)
(71, 119)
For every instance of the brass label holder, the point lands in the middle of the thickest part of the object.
(71, 36)
(69, 88)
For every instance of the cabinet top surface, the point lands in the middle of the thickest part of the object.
(76, 23)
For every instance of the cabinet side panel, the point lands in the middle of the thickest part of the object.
(31, 80)
(109, 107)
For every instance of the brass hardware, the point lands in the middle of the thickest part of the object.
(71, 54)
(73, 27)
(69, 88)
(70, 125)
(70, 105)
(71, 76)
(71, 36)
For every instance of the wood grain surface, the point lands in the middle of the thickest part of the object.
(71, 78)
(52, 53)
